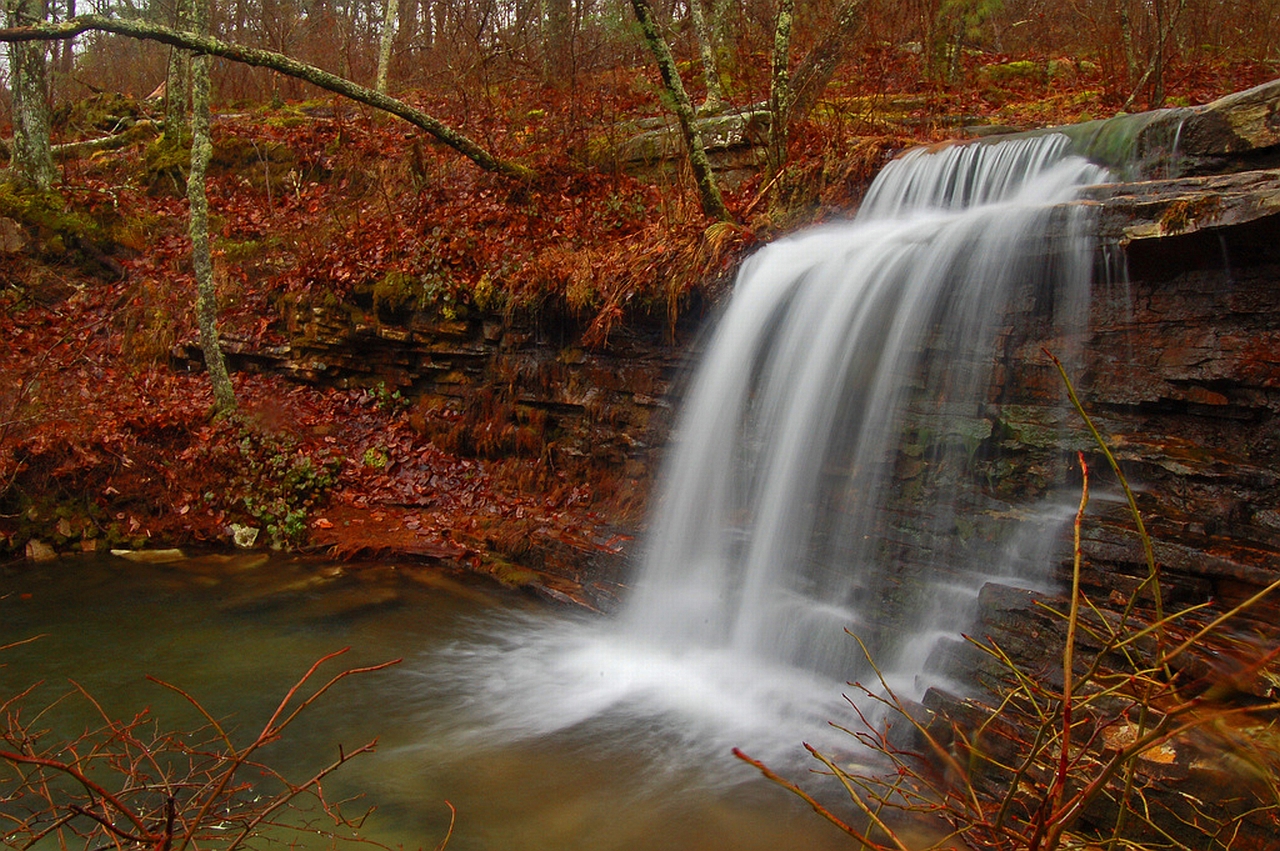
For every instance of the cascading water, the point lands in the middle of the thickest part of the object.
(781, 491)
(768, 530)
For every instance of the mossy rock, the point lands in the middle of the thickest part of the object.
(1022, 69)
(512, 575)
(397, 293)
(45, 214)
(252, 159)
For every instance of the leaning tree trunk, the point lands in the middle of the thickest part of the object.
(224, 395)
(819, 65)
(708, 191)
(32, 157)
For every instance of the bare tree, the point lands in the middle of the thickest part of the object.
(557, 41)
(780, 87)
(819, 65)
(793, 96)
(148, 31)
(177, 82)
(714, 100)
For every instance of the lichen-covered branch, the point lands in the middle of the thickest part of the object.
(257, 57)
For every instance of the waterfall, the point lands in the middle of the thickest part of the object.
(767, 539)
(804, 493)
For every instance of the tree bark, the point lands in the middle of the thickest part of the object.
(267, 59)
(818, 66)
(177, 82)
(714, 100)
(389, 17)
(224, 395)
(780, 88)
(708, 191)
(32, 162)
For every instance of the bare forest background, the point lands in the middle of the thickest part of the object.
(1140, 49)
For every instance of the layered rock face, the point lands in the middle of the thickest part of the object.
(1180, 371)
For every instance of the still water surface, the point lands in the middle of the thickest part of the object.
(460, 719)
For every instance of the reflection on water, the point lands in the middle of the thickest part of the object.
(539, 731)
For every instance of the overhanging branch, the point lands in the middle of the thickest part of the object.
(257, 57)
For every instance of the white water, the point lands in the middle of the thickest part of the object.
(765, 546)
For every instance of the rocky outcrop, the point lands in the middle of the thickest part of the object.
(1236, 132)
(734, 142)
(1180, 370)
(598, 414)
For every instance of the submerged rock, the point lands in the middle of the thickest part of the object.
(166, 556)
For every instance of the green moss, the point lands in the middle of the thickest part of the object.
(242, 250)
(487, 296)
(396, 292)
(510, 574)
(237, 153)
(1020, 70)
(48, 212)
(166, 161)
(375, 458)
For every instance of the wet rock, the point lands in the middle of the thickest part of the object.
(40, 551)
(275, 590)
(166, 556)
(352, 601)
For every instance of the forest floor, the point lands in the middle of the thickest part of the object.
(107, 442)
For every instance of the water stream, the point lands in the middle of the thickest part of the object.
(551, 730)
(236, 632)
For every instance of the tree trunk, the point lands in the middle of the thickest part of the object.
(32, 162)
(558, 44)
(389, 15)
(267, 59)
(714, 100)
(818, 67)
(1127, 44)
(780, 88)
(177, 82)
(224, 395)
(708, 191)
